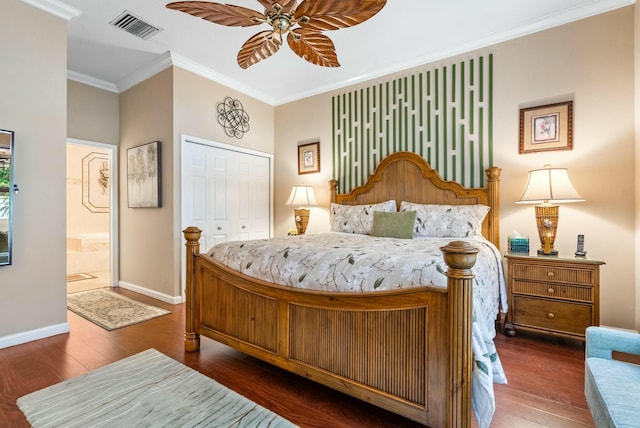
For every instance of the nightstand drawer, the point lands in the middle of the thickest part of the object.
(572, 318)
(552, 273)
(556, 291)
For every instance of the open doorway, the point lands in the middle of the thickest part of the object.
(91, 215)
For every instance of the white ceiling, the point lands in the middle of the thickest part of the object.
(405, 33)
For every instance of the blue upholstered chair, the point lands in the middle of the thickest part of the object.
(612, 387)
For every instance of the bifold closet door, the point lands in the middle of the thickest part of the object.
(225, 193)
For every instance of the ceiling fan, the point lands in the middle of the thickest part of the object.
(303, 24)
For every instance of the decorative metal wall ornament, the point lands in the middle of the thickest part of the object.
(95, 182)
(232, 117)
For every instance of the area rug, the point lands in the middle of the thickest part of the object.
(111, 310)
(79, 276)
(148, 389)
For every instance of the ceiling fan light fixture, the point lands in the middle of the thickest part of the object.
(281, 23)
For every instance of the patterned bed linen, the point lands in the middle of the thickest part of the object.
(346, 262)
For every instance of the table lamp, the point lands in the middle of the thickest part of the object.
(548, 187)
(302, 196)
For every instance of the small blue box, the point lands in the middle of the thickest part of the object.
(519, 244)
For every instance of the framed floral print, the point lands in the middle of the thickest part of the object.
(546, 128)
(309, 158)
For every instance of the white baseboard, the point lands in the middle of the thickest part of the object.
(31, 335)
(174, 300)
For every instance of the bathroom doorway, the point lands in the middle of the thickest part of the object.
(91, 215)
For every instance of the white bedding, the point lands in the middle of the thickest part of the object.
(349, 262)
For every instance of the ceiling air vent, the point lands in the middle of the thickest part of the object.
(134, 25)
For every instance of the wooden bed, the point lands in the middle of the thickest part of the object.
(408, 351)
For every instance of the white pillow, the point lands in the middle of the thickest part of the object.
(357, 218)
(447, 221)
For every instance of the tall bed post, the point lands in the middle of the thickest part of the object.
(493, 187)
(460, 258)
(191, 337)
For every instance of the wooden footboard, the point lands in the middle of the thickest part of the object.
(408, 351)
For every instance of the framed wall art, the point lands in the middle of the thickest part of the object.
(144, 185)
(309, 158)
(545, 128)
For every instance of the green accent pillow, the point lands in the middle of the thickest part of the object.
(393, 225)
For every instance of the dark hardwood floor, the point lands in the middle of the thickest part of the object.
(545, 375)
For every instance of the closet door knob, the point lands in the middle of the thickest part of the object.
(550, 315)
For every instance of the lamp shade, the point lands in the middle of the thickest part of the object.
(549, 185)
(302, 196)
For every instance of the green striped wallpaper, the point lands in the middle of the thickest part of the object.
(444, 114)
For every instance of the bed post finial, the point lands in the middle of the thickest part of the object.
(333, 189)
(460, 257)
(191, 337)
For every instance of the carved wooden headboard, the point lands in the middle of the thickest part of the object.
(406, 176)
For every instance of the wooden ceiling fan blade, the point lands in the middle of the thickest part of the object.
(287, 5)
(314, 47)
(260, 46)
(326, 15)
(223, 14)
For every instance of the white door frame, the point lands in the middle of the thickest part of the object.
(113, 203)
(187, 139)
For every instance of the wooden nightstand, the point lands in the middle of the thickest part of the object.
(557, 296)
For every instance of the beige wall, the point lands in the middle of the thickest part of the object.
(593, 61)
(299, 122)
(590, 61)
(33, 83)
(637, 162)
(194, 108)
(92, 114)
(146, 234)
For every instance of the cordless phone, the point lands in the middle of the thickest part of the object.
(580, 252)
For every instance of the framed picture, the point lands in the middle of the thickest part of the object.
(546, 128)
(143, 176)
(309, 158)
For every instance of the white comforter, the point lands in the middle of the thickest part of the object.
(357, 263)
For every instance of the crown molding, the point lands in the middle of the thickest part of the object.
(91, 81)
(205, 72)
(166, 60)
(146, 71)
(55, 7)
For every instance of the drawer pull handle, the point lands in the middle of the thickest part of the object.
(550, 274)
(551, 291)
(550, 315)
(219, 228)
